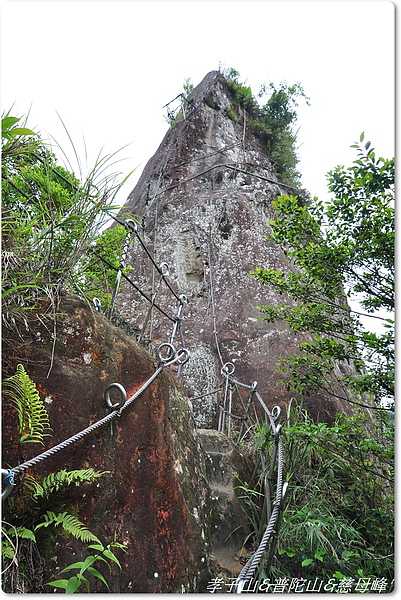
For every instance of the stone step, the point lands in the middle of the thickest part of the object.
(225, 468)
(214, 442)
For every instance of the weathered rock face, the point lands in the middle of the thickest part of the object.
(204, 199)
(156, 498)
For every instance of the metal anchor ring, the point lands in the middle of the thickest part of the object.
(123, 395)
(96, 303)
(187, 354)
(7, 474)
(228, 369)
(276, 411)
(171, 352)
(130, 224)
(183, 299)
(164, 268)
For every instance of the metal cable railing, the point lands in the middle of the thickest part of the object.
(167, 354)
(273, 504)
(163, 269)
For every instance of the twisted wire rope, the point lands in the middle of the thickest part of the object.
(270, 510)
(249, 569)
(100, 423)
(135, 286)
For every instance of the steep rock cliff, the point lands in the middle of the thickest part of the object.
(156, 497)
(204, 200)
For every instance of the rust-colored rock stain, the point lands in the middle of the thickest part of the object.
(140, 502)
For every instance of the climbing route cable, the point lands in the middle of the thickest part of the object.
(133, 285)
(234, 168)
(271, 511)
(168, 355)
(215, 334)
(271, 530)
(158, 268)
(130, 227)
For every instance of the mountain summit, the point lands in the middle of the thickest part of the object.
(204, 200)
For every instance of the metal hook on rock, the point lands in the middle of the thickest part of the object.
(119, 387)
(183, 300)
(164, 268)
(97, 304)
(276, 411)
(7, 482)
(254, 387)
(228, 369)
(131, 224)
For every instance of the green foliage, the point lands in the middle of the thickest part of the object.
(343, 249)
(10, 540)
(55, 481)
(69, 523)
(16, 557)
(33, 420)
(188, 86)
(241, 93)
(97, 278)
(11, 133)
(50, 218)
(338, 520)
(272, 122)
(340, 517)
(102, 554)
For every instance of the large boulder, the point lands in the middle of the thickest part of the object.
(156, 497)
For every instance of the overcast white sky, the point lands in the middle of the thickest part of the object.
(109, 67)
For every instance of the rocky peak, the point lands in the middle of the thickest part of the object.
(204, 200)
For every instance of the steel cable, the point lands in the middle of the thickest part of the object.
(271, 510)
(253, 563)
(134, 286)
(117, 412)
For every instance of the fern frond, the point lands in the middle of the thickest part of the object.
(21, 532)
(7, 551)
(70, 524)
(55, 481)
(32, 486)
(33, 420)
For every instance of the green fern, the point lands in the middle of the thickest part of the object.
(70, 524)
(21, 532)
(54, 481)
(7, 551)
(33, 419)
(9, 541)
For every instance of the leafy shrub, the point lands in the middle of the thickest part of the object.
(273, 123)
(339, 520)
(50, 218)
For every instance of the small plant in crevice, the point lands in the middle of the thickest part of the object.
(85, 568)
(33, 420)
